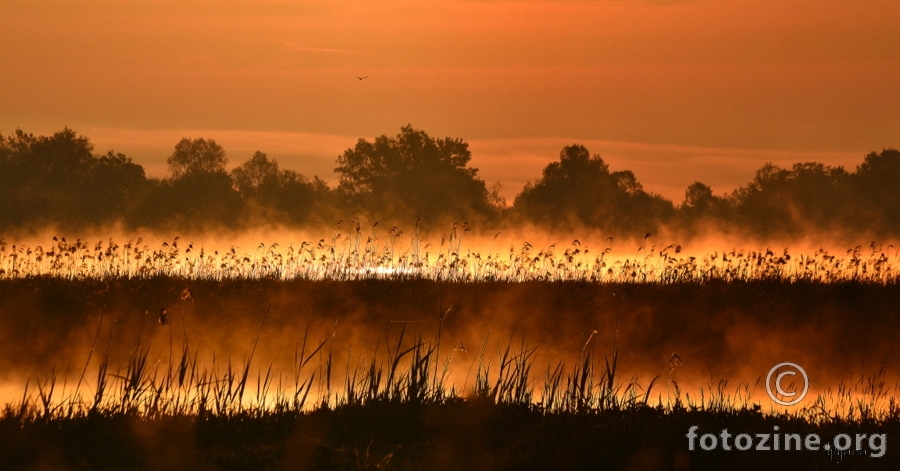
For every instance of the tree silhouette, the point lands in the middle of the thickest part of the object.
(700, 201)
(196, 156)
(496, 202)
(198, 194)
(698, 196)
(787, 202)
(877, 182)
(255, 174)
(285, 194)
(579, 189)
(58, 179)
(413, 174)
(118, 183)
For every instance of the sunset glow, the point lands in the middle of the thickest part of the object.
(449, 234)
(685, 84)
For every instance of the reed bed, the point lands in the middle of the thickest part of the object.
(408, 370)
(408, 401)
(357, 256)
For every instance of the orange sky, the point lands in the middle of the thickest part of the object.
(675, 90)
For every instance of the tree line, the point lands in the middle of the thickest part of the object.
(59, 180)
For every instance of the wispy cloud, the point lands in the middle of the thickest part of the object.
(326, 50)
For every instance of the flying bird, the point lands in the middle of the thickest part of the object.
(362, 77)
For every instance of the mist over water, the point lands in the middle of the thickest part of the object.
(719, 331)
(60, 181)
(718, 288)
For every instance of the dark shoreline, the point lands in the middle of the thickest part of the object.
(450, 436)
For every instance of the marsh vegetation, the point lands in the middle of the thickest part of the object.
(419, 344)
(411, 373)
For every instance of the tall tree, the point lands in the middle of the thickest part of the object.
(579, 189)
(251, 176)
(421, 175)
(700, 201)
(59, 179)
(199, 192)
(877, 181)
(283, 195)
(196, 156)
(117, 184)
(788, 201)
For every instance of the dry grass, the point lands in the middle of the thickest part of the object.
(358, 256)
(408, 371)
(399, 405)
